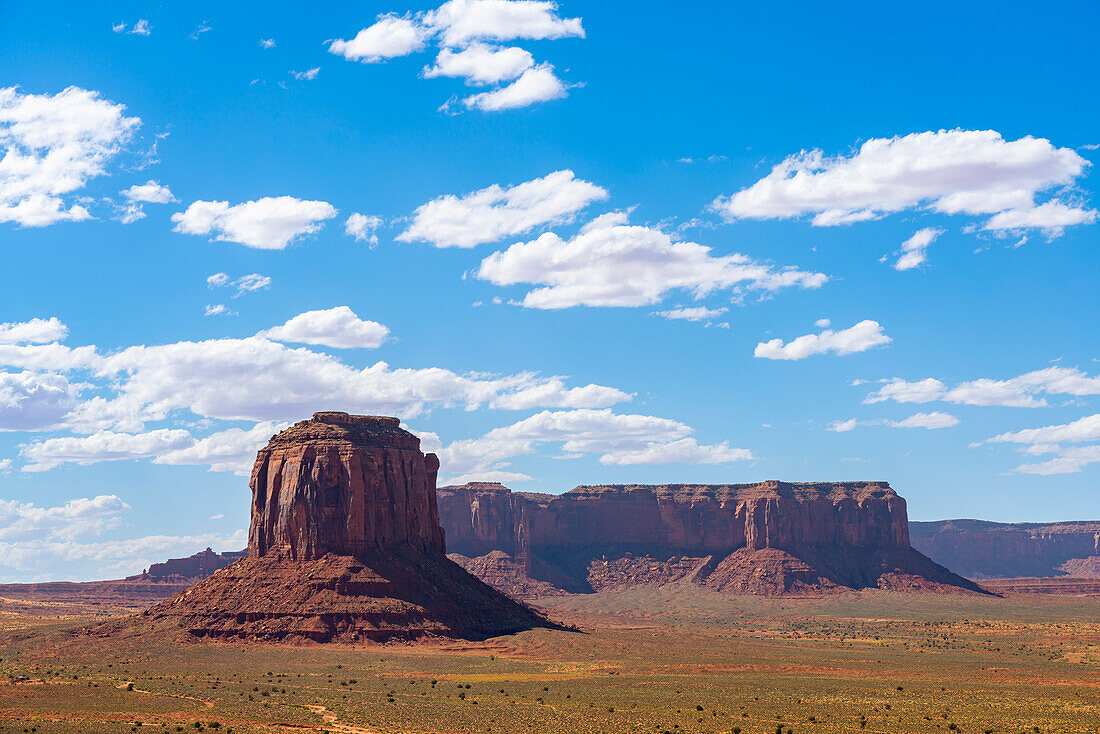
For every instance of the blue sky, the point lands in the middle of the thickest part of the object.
(559, 241)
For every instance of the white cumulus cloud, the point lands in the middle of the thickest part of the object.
(611, 263)
(1023, 391)
(35, 331)
(480, 64)
(914, 250)
(335, 327)
(390, 37)
(34, 401)
(100, 446)
(363, 227)
(865, 335)
(974, 172)
(537, 84)
(493, 213)
(270, 223)
(52, 146)
(461, 22)
(696, 313)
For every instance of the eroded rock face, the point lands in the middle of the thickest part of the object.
(770, 537)
(987, 550)
(344, 544)
(343, 484)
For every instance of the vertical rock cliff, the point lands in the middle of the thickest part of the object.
(343, 484)
(988, 550)
(770, 537)
(344, 544)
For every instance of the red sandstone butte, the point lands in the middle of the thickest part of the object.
(769, 538)
(344, 544)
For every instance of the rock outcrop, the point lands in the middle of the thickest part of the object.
(766, 538)
(988, 550)
(192, 568)
(344, 544)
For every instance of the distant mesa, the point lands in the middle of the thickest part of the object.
(193, 568)
(981, 549)
(344, 544)
(772, 538)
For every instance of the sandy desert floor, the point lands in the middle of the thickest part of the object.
(671, 659)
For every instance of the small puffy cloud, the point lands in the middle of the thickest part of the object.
(552, 393)
(245, 284)
(308, 75)
(267, 43)
(480, 64)
(35, 331)
(537, 84)
(918, 391)
(1024, 391)
(823, 323)
(611, 263)
(974, 172)
(696, 313)
(141, 28)
(337, 327)
(843, 426)
(270, 223)
(930, 421)
(53, 145)
(390, 37)
(100, 446)
(467, 32)
(865, 335)
(363, 227)
(34, 401)
(461, 22)
(215, 309)
(913, 250)
(493, 213)
(149, 192)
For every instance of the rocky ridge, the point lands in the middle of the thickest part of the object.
(773, 538)
(981, 549)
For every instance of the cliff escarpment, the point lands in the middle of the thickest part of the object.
(764, 538)
(990, 550)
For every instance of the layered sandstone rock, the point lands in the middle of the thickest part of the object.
(770, 538)
(344, 544)
(986, 550)
(190, 569)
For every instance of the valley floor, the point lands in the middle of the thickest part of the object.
(669, 659)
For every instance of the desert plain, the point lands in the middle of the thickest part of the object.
(678, 658)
